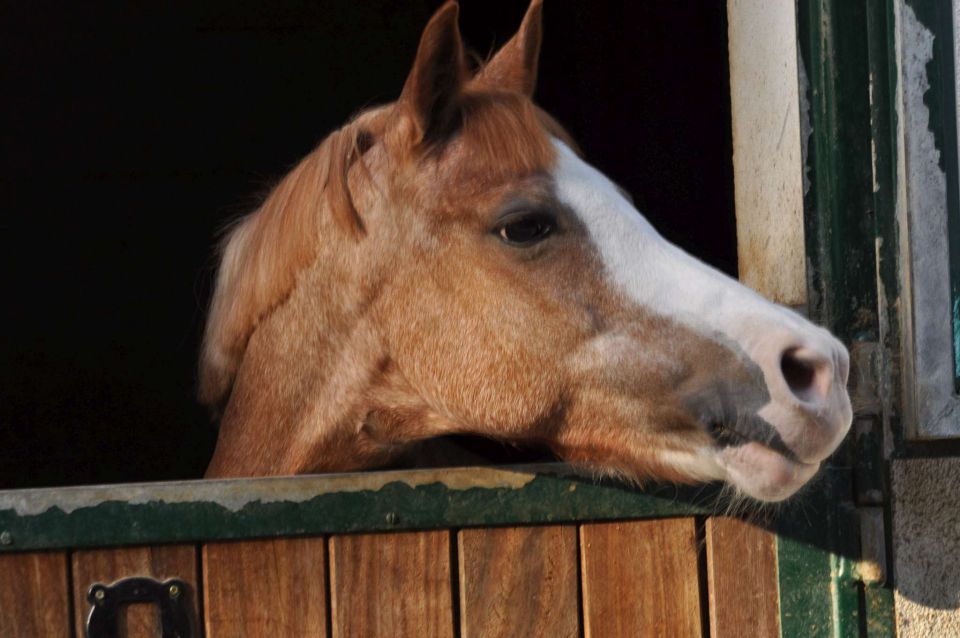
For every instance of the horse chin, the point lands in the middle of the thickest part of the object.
(762, 473)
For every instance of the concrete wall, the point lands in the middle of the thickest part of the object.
(926, 546)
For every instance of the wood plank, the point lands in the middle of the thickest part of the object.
(518, 581)
(34, 594)
(109, 565)
(391, 585)
(274, 587)
(742, 577)
(640, 578)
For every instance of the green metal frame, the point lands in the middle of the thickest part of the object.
(847, 50)
(838, 207)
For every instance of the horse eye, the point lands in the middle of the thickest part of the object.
(526, 230)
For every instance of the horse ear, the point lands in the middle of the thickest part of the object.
(431, 89)
(514, 67)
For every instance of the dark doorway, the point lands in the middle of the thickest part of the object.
(133, 132)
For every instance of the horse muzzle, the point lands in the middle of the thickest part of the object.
(771, 453)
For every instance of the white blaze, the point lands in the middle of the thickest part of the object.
(660, 276)
(663, 279)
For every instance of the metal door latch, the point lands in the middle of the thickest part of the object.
(169, 596)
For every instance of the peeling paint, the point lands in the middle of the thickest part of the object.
(922, 217)
(199, 511)
(234, 494)
(956, 61)
(864, 376)
(873, 142)
(885, 367)
(806, 125)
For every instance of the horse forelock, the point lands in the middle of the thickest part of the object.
(499, 135)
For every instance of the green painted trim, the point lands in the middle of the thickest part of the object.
(838, 207)
(880, 611)
(804, 581)
(879, 607)
(817, 546)
(884, 75)
(193, 511)
(956, 315)
(846, 50)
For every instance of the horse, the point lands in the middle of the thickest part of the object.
(449, 264)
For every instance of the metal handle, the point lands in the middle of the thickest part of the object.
(168, 595)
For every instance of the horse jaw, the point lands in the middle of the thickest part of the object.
(807, 411)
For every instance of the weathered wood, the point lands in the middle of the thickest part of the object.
(109, 565)
(768, 171)
(34, 595)
(391, 585)
(518, 581)
(640, 578)
(742, 577)
(273, 587)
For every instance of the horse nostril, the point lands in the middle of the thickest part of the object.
(807, 375)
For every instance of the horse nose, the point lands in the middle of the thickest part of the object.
(808, 373)
(810, 407)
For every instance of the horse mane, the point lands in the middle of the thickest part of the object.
(262, 254)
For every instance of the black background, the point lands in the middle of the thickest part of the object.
(132, 132)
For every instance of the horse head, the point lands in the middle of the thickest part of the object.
(449, 264)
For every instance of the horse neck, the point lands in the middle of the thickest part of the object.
(300, 385)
